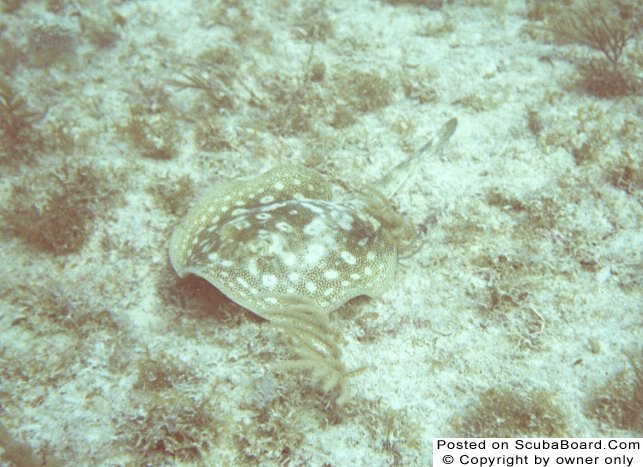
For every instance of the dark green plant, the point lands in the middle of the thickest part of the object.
(625, 175)
(366, 91)
(172, 425)
(20, 141)
(296, 103)
(101, 35)
(619, 403)
(272, 437)
(213, 74)
(15, 452)
(314, 343)
(209, 136)
(595, 25)
(534, 122)
(160, 373)
(10, 56)
(49, 45)
(9, 6)
(313, 23)
(172, 194)
(602, 79)
(151, 136)
(215, 89)
(53, 212)
(52, 307)
(511, 412)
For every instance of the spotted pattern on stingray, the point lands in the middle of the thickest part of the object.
(282, 235)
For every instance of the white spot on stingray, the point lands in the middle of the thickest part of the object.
(313, 208)
(290, 290)
(278, 186)
(262, 216)
(269, 281)
(370, 256)
(348, 257)
(239, 202)
(328, 291)
(213, 256)
(311, 287)
(289, 258)
(314, 253)
(345, 221)
(271, 300)
(363, 241)
(368, 270)
(355, 276)
(226, 263)
(315, 227)
(224, 209)
(252, 268)
(241, 224)
(331, 274)
(284, 226)
(242, 282)
(345, 283)
(293, 277)
(296, 181)
(267, 199)
(239, 211)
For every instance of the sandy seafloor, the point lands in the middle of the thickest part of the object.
(520, 315)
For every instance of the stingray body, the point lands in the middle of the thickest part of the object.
(281, 235)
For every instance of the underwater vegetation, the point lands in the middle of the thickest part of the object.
(58, 219)
(167, 420)
(511, 412)
(50, 45)
(17, 453)
(607, 29)
(9, 6)
(151, 136)
(20, 141)
(619, 403)
(314, 343)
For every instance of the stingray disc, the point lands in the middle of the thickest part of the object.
(279, 239)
